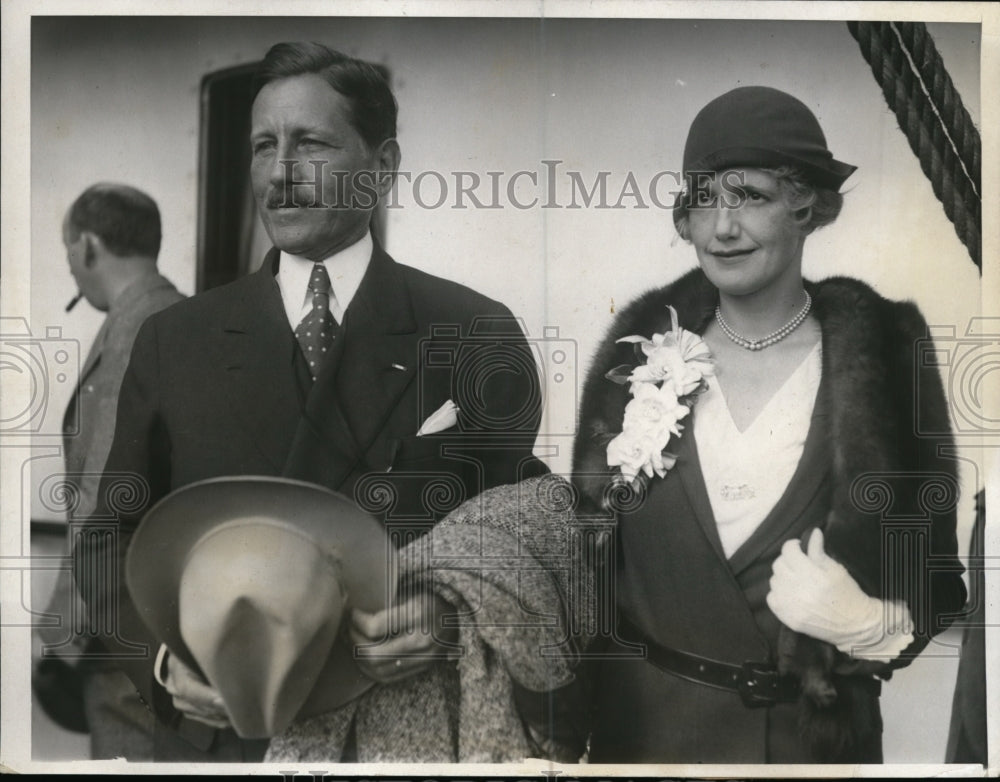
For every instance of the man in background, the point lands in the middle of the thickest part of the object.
(112, 236)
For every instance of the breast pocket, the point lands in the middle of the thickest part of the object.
(429, 477)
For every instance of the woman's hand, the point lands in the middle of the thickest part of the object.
(403, 639)
(814, 594)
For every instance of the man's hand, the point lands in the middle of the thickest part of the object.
(192, 696)
(403, 639)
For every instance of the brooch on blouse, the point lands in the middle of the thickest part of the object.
(733, 492)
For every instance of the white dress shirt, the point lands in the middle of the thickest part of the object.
(346, 269)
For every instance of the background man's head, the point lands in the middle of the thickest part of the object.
(112, 234)
(323, 133)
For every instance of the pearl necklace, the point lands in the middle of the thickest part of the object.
(770, 339)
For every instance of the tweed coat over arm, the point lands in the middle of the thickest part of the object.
(505, 562)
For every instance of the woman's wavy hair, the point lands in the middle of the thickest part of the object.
(812, 206)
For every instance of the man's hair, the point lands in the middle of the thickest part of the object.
(126, 220)
(364, 85)
(812, 206)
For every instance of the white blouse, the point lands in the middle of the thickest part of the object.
(747, 472)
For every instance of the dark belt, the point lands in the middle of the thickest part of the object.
(757, 683)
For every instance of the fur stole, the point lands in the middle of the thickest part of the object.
(880, 399)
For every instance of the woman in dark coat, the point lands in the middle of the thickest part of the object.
(785, 535)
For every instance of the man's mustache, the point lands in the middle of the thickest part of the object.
(277, 200)
(353, 190)
(307, 197)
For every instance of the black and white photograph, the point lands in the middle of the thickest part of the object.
(500, 388)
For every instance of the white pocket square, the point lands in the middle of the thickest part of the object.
(443, 418)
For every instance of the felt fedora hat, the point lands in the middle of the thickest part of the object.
(247, 580)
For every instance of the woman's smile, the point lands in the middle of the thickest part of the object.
(731, 256)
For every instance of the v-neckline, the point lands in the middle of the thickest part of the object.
(805, 481)
(760, 413)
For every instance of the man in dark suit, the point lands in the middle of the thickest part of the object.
(325, 366)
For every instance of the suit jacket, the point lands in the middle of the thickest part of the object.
(89, 421)
(217, 386)
(860, 478)
(88, 428)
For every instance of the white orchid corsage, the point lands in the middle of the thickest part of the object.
(663, 389)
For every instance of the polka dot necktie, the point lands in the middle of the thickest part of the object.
(318, 329)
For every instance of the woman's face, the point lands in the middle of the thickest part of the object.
(746, 239)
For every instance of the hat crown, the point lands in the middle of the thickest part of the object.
(761, 127)
(246, 580)
(260, 626)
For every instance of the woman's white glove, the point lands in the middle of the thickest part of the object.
(814, 594)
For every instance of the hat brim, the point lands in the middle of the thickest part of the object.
(829, 173)
(161, 544)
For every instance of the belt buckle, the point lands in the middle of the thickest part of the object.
(758, 685)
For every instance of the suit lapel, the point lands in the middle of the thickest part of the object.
(694, 313)
(380, 350)
(689, 471)
(373, 363)
(71, 416)
(94, 354)
(257, 358)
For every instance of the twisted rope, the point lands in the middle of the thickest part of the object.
(964, 135)
(916, 86)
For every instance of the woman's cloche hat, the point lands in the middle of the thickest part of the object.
(761, 127)
(247, 579)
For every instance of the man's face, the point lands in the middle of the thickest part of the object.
(84, 271)
(319, 200)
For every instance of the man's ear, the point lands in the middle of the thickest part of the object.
(89, 248)
(387, 157)
(93, 247)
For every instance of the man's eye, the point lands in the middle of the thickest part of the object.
(262, 146)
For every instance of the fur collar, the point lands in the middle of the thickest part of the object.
(869, 383)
